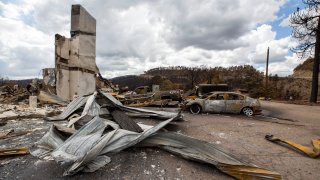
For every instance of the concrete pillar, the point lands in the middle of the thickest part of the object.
(75, 56)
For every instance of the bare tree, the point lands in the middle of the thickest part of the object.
(193, 74)
(306, 29)
(210, 73)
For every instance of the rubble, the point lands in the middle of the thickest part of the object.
(13, 94)
(34, 87)
(96, 139)
(11, 133)
(143, 97)
(48, 98)
(18, 112)
(98, 136)
(96, 125)
(6, 90)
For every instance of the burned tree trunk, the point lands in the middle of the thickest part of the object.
(315, 71)
(306, 29)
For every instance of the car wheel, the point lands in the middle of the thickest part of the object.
(247, 111)
(195, 109)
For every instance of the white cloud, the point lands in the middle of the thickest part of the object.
(285, 67)
(24, 49)
(10, 10)
(134, 36)
(285, 22)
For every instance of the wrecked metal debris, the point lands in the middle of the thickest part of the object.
(71, 108)
(194, 149)
(107, 101)
(124, 121)
(311, 152)
(90, 147)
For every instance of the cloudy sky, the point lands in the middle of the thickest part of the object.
(136, 35)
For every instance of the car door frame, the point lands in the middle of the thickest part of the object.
(216, 105)
(234, 106)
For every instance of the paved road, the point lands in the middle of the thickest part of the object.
(305, 114)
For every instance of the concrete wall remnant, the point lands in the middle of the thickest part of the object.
(49, 76)
(49, 80)
(75, 57)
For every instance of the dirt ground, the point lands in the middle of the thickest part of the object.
(237, 134)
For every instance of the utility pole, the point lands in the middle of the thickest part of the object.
(267, 66)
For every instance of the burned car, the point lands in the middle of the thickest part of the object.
(224, 102)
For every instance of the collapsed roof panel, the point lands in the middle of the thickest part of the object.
(90, 147)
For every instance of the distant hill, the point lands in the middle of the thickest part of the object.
(132, 81)
(23, 82)
(299, 82)
(186, 78)
(305, 66)
(304, 70)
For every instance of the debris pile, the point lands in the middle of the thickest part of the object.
(95, 125)
(12, 94)
(15, 94)
(105, 127)
(142, 97)
(19, 125)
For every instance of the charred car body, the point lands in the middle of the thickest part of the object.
(224, 102)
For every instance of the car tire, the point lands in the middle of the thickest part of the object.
(195, 109)
(247, 111)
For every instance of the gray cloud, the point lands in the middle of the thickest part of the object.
(114, 63)
(133, 36)
(210, 25)
(23, 61)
